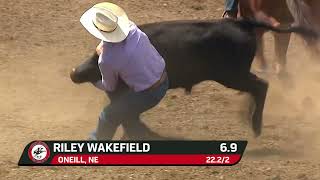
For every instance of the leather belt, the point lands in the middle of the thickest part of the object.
(159, 82)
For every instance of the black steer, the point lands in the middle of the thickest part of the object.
(195, 51)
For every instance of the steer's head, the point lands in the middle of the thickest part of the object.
(86, 72)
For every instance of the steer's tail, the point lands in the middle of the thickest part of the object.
(304, 31)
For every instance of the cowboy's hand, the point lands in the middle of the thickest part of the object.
(99, 48)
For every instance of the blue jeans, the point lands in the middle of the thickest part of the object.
(125, 110)
(231, 5)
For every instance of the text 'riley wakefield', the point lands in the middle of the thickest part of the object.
(99, 147)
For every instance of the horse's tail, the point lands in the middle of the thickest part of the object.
(252, 24)
(301, 13)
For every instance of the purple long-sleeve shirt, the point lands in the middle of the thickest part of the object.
(134, 60)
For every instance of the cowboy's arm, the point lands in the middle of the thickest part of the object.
(99, 83)
(109, 79)
(109, 75)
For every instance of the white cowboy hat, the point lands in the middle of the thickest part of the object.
(106, 21)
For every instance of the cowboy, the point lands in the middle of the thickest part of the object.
(127, 57)
(230, 9)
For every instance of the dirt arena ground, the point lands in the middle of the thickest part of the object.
(41, 40)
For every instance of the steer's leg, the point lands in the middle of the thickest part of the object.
(258, 89)
(254, 85)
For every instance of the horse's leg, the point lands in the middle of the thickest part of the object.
(312, 46)
(256, 87)
(280, 48)
(259, 53)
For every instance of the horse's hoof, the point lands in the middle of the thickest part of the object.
(257, 132)
(286, 79)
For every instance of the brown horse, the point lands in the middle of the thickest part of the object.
(302, 12)
(306, 13)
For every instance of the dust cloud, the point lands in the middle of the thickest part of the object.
(292, 113)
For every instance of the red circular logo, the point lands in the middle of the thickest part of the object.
(39, 152)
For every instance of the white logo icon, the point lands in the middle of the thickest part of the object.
(39, 152)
